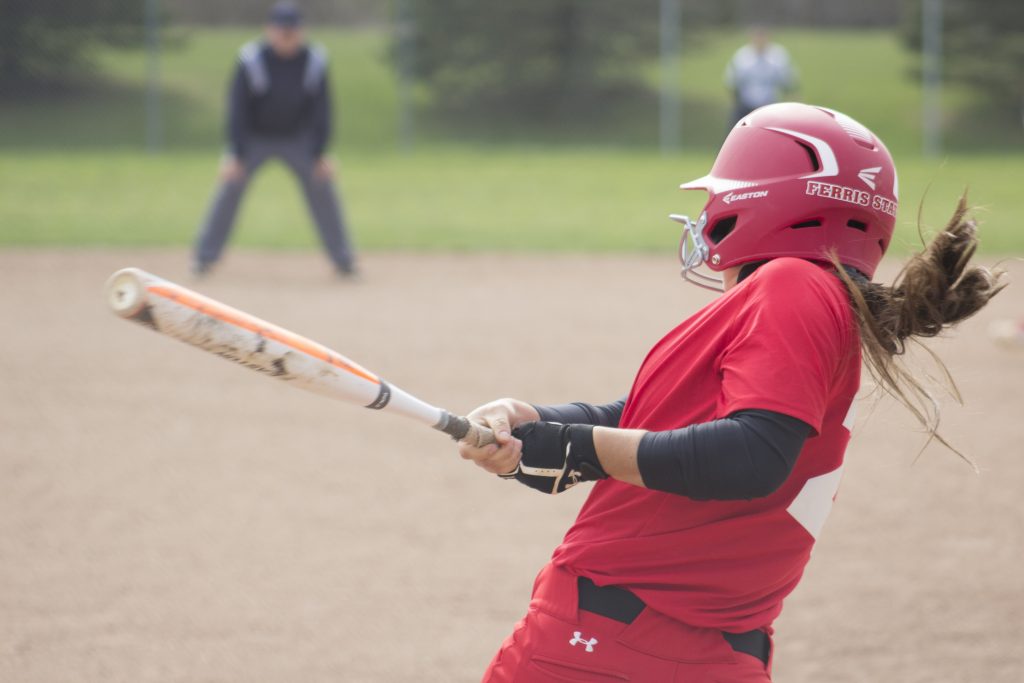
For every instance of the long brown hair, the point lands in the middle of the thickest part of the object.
(937, 288)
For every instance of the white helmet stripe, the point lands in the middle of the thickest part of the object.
(716, 185)
(855, 129)
(829, 165)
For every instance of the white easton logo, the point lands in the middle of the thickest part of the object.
(735, 197)
(869, 175)
(577, 638)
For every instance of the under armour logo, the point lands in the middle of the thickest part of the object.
(577, 638)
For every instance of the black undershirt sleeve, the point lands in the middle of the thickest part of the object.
(607, 415)
(746, 455)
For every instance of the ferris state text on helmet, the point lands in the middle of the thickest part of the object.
(851, 195)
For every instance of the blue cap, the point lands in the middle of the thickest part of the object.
(286, 14)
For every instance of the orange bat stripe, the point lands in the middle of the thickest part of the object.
(233, 316)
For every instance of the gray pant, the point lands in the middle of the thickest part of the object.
(323, 202)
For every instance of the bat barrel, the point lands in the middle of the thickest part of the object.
(259, 345)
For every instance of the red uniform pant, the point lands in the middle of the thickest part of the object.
(558, 642)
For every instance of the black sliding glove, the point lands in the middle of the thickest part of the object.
(556, 456)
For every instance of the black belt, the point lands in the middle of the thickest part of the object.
(622, 606)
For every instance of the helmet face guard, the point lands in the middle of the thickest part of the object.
(693, 252)
(793, 180)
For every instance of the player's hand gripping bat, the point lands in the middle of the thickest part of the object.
(256, 344)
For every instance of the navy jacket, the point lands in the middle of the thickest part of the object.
(275, 97)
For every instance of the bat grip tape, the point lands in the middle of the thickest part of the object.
(462, 429)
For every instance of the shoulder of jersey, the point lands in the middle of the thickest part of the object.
(793, 271)
(250, 50)
(743, 54)
(785, 281)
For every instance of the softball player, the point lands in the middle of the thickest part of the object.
(716, 472)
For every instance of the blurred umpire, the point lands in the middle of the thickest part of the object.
(758, 74)
(278, 107)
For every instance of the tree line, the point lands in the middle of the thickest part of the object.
(522, 58)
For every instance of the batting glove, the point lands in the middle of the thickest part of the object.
(556, 456)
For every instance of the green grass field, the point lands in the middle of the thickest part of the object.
(72, 171)
(441, 198)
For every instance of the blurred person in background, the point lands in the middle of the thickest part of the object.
(758, 74)
(1008, 333)
(278, 107)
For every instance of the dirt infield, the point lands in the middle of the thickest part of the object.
(165, 516)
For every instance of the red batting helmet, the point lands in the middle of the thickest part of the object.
(794, 180)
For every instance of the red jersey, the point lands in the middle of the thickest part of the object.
(784, 340)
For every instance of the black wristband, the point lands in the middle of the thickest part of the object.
(583, 454)
(579, 413)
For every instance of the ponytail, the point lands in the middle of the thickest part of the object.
(936, 289)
